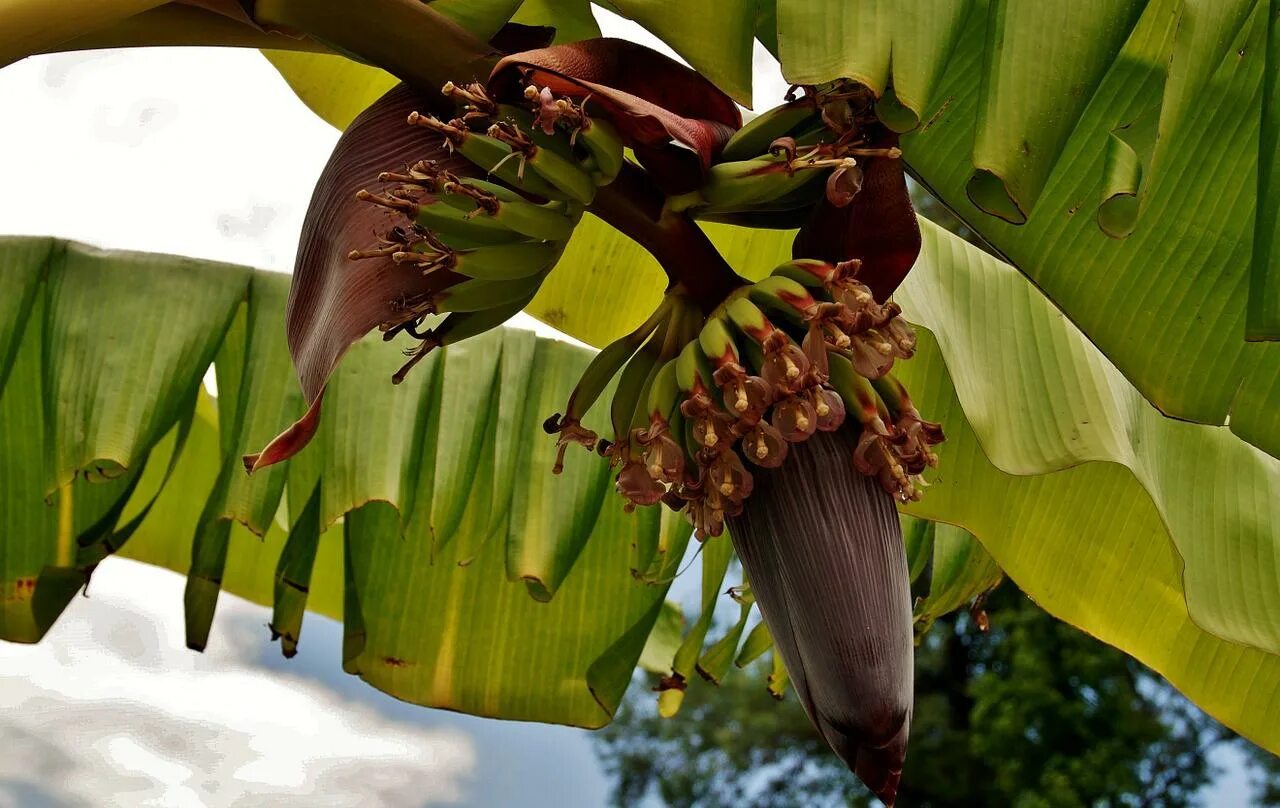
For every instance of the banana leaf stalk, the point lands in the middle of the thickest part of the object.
(822, 547)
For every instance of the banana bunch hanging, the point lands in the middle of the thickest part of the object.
(489, 243)
(699, 401)
(700, 398)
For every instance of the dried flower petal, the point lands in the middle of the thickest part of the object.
(871, 354)
(764, 445)
(829, 408)
(902, 336)
(794, 417)
(843, 184)
(729, 478)
(746, 396)
(786, 366)
(635, 484)
(663, 457)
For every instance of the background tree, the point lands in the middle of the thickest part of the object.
(1031, 713)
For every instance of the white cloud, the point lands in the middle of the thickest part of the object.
(202, 152)
(111, 709)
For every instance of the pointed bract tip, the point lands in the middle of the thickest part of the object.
(287, 443)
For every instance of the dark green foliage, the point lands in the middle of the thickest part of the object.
(1031, 714)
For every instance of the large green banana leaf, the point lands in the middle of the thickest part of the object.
(439, 490)
(1167, 301)
(1113, 517)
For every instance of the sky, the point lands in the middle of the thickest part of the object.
(207, 153)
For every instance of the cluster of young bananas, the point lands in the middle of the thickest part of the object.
(488, 244)
(780, 359)
(781, 162)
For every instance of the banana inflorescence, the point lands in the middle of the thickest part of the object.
(488, 243)
(700, 400)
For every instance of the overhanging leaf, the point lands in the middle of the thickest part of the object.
(572, 19)
(1043, 63)
(724, 58)
(1102, 559)
(1264, 276)
(424, 607)
(898, 49)
(1167, 304)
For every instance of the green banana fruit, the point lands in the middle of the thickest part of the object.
(492, 155)
(693, 371)
(522, 120)
(507, 262)
(859, 396)
(786, 297)
(808, 272)
(552, 221)
(603, 147)
(596, 137)
(757, 134)
(446, 222)
(606, 364)
(632, 382)
(717, 342)
(757, 642)
(745, 185)
(673, 340)
(664, 393)
(786, 212)
(749, 319)
(552, 167)
(479, 294)
(778, 677)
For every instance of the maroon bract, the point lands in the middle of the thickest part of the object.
(675, 120)
(333, 300)
(822, 548)
(877, 225)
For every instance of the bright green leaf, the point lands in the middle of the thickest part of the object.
(897, 49)
(714, 36)
(572, 19)
(1167, 304)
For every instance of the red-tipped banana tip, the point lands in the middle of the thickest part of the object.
(287, 443)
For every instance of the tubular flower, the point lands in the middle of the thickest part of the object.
(747, 397)
(663, 457)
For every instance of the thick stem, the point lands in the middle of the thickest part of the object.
(404, 37)
(171, 24)
(635, 206)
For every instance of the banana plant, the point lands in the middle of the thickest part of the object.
(759, 374)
